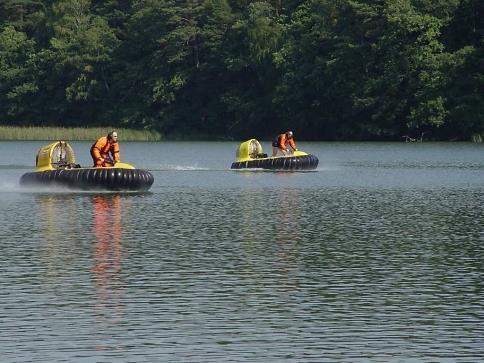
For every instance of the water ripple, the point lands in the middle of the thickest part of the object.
(256, 275)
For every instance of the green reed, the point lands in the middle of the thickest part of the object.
(477, 138)
(74, 133)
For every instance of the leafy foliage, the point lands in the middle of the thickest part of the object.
(328, 69)
(17, 69)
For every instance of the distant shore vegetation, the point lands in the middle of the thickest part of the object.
(346, 70)
(74, 133)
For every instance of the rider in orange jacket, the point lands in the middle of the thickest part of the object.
(283, 142)
(105, 151)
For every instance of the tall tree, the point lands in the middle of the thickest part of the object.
(463, 37)
(17, 69)
(249, 54)
(365, 69)
(81, 51)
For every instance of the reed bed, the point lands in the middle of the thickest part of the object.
(477, 137)
(74, 133)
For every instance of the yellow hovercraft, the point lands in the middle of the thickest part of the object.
(56, 166)
(250, 156)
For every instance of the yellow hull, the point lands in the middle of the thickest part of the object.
(250, 156)
(56, 166)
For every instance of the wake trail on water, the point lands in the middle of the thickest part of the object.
(15, 187)
(169, 167)
(200, 168)
(10, 187)
(15, 167)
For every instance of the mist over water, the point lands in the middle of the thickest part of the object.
(377, 256)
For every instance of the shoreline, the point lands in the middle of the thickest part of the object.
(55, 133)
(52, 133)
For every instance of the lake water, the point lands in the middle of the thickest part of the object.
(376, 256)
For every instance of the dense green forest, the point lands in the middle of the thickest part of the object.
(328, 69)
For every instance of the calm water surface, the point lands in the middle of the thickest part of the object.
(377, 256)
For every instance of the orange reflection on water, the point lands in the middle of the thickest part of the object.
(107, 228)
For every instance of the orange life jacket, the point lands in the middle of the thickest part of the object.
(283, 140)
(102, 148)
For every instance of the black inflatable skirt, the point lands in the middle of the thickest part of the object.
(305, 162)
(115, 179)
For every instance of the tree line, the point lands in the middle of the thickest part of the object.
(328, 69)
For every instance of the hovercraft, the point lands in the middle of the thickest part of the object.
(250, 156)
(56, 166)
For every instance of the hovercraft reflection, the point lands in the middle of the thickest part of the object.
(56, 166)
(250, 156)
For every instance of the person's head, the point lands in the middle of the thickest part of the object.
(289, 134)
(113, 136)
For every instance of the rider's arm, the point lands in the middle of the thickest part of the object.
(115, 152)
